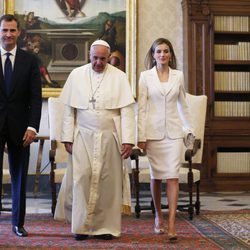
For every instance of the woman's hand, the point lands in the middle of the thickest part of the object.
(142, 145)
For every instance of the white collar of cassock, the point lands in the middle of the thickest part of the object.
(96, 77)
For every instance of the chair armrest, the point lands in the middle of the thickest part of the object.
(191, 152)
(136, 152)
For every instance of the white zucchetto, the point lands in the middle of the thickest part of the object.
(100, 42)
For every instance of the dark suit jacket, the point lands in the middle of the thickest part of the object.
(23, 107)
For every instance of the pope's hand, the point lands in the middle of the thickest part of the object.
(68, 147)
(126, 150)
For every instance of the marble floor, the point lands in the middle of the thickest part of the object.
(218, 201)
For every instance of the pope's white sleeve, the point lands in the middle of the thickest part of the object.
(68, 124)
(128, 124)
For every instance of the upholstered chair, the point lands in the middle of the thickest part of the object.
(57, 154)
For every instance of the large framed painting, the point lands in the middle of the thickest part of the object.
(59, 33)
(1, 8)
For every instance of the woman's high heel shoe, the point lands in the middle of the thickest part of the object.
(172, 237)
(159, 230)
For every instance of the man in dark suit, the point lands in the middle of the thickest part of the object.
(20, 113)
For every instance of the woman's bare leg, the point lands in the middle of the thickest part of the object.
(155, 186)
(172, 195)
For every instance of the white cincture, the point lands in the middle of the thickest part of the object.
(93, 92)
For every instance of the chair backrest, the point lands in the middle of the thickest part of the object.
(198, 107)
(55, 111)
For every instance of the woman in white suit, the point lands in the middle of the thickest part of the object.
(163, 121)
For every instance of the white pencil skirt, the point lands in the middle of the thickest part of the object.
(164, 158)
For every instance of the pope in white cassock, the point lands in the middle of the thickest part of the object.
(98, 131)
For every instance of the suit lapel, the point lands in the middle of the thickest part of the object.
(171, 80)
(156, 81)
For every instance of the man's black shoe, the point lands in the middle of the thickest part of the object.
(104, 236)
(81, 236)
(19, 231)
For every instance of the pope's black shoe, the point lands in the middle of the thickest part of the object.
(104, 236)
(81, 236)
(19, 231)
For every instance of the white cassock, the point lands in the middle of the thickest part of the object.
(96, 186)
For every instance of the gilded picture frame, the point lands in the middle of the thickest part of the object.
(8, 6)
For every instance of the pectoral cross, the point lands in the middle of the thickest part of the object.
(93, 100)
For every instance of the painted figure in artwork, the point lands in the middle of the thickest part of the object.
(109, 34)
(72, 7)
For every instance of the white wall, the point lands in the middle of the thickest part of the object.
(160, 18)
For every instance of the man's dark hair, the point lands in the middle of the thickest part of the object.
(9, 18)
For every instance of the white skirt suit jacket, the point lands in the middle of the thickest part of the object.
(163, 121)
(162, 113)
